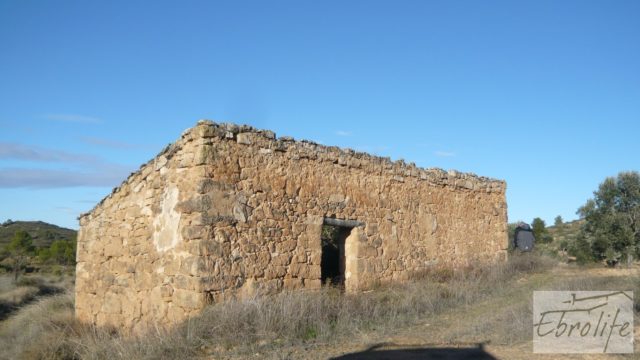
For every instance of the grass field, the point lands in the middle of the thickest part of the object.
(436, 312)
(14, 297)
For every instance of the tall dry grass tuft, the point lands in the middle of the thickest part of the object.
(19, 295)
(47, 329)
(13, 296)
(38, 329)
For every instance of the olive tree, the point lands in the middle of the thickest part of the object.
(612, 218)
(19, 250)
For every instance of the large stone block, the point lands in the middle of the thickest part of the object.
(112, 304)
(187, 299)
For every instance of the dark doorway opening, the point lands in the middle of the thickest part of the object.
(333, 257)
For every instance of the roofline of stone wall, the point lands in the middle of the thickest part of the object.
(229, 132)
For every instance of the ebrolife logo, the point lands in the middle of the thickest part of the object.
(583, 322)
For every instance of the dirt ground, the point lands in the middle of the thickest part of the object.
(446, 336)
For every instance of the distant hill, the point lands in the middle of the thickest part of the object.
(567, 231)
(43, 234)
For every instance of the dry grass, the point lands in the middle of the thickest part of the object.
(19, 295)
(14, 296)
(507, 321)
(39, 330)
(49, 331)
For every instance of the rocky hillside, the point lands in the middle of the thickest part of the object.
(43, 234)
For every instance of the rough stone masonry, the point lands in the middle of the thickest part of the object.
(231, 211)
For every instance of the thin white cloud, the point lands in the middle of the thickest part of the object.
(75, 169)
(343, 133)
(17, 127)
(441, 153)
(67, 210)
(47, 179)
(86, 201)
(73, 118)
(107, 142)
(13, 151)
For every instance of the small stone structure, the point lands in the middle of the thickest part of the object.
(231, 211)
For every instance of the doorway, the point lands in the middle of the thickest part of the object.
(333, 261)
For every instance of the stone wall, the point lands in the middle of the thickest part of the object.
(231, 211)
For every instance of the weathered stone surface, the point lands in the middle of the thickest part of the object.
(244, 138)
(231, 211)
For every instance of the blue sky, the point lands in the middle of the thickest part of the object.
(543, 94)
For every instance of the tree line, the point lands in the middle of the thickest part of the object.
(20, 253)
(611, 223)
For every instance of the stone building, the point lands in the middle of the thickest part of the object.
(231, 211)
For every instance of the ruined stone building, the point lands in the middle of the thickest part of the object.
(231, 211)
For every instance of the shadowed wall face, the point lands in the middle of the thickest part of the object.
(230, 211)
